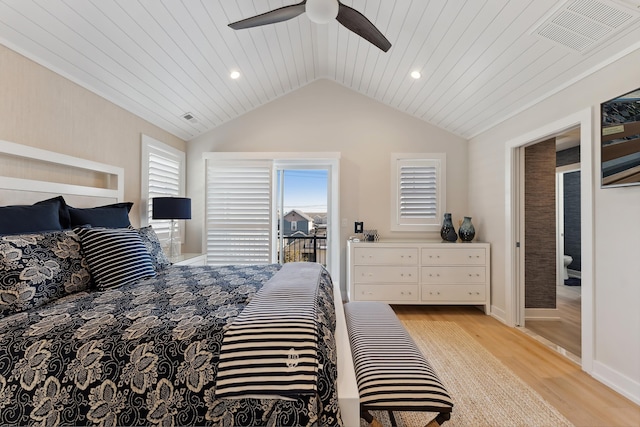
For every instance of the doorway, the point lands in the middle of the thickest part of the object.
(302, 196)
(559, 324)
(515, 240)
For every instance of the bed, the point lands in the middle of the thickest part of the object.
(96, 329)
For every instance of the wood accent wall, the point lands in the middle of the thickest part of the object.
(540, 225)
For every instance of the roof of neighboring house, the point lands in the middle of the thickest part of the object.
(297, 215)
(297, 234)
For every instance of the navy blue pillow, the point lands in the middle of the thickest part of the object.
(43, 216)
(109, 216)
(63, 211)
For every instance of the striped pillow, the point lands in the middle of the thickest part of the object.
(116, 256)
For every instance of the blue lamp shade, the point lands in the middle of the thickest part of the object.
(171, 208)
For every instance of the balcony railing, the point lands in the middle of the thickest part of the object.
(305, 249)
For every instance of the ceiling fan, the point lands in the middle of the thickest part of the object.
(321, 12)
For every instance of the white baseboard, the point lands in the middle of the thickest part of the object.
(499, 314)
(541, 314)
(624, 385)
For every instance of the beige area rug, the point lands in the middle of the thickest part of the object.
(485, 392)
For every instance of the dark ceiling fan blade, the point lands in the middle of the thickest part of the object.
(359, 24)
(277, 15)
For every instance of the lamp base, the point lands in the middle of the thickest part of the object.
(172, 243)
(175, 248)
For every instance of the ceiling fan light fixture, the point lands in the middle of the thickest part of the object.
(322, 11)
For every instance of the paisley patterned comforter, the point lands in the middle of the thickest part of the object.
(147, 353)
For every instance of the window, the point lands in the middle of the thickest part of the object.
(163, 171)
(417, 191)
(294, 225)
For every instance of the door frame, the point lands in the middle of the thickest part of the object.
(560, 171)
(514, 221)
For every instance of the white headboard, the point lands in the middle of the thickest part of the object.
(29, 174)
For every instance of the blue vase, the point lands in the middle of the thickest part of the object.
(467, 231)
(447, 232)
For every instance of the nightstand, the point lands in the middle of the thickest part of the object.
(189, 259)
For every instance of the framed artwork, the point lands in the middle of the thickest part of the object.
(620, 142)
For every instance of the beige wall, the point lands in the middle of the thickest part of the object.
(42, 109)
(325, 116)
(616, 287)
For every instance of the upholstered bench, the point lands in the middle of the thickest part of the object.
(392, 373)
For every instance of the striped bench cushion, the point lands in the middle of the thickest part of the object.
(391, 371)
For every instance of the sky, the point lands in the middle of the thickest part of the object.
(305, 190)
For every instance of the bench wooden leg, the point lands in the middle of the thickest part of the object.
(366, 415)
(436, 422)
(392, 418)
(439, 420)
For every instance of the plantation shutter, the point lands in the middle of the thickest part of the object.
(418, 193)
(238, 212)
(163, 176)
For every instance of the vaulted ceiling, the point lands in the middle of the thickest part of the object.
(481, 61)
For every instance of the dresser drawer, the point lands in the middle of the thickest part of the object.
(388, 256)
(453, 256)
(463, 275)
(385, 274)
(460, 293)
(386, 293)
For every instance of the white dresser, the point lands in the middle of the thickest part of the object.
(419, 272)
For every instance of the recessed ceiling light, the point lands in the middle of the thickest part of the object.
(235, 75)
(416, 74)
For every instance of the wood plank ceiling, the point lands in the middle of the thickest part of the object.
(481, 60)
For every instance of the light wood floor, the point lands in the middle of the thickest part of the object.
(565, 332)
(580, 398)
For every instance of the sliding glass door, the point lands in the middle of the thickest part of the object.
(262, 209)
